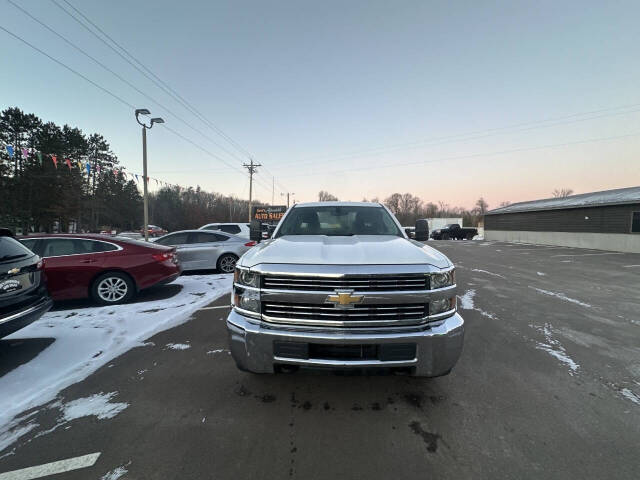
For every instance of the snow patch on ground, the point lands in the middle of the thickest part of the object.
(541, 274)
(466, 300)
(488, 273)
(99, 405)
(554, 348)
(629, 395)
(81, 333)
(116, 473)
(561, 296)
(219, 350)
(178, 346)
(467, 303)
(13, 432)
(630, 266)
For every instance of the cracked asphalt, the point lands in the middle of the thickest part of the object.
(548, 386)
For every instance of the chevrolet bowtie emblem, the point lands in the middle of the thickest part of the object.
(13, 270)
(344, 299)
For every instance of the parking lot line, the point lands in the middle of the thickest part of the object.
(587, 254)
(52, 468)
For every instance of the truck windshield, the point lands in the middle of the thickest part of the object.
(343, 220)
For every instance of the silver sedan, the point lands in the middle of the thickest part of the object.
(202, 249)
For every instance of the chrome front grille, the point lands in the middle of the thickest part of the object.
(358, 316)
(360, 283)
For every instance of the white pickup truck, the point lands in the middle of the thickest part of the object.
(340, 285)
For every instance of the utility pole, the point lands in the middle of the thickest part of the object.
(253, 168)
(273, 189)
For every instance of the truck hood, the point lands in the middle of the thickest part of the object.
(354, 250)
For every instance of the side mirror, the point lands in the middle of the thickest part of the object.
(408, 232)
(255, 230)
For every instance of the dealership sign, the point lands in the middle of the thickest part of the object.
(268, 214)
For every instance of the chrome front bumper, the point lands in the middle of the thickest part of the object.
(252, 345)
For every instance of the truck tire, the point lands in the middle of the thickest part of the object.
(445, 236)
(470, 236)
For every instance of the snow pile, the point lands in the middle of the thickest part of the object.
(88, 338)
(178, 346)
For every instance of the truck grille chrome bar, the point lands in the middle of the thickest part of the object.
(358, 316)
(358, 283)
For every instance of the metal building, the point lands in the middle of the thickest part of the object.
(608, 220)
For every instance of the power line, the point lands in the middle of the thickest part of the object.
(120, 99)
(117, 97)
(474, 155)
(455, 138)
(157, 81)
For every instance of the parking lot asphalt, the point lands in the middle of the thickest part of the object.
(548, 386)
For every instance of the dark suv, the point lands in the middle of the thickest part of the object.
(23, 291)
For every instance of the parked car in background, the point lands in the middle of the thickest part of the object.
(133, 235)
(454, 231)
(202, 249)
(239, 229)
(110, 270)
(23, 290)
(154, 231)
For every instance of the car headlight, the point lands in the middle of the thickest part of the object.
(242, 276)
(442, 305)
(246, 299)
(443, 279)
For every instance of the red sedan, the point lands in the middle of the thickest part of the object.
(110, 270)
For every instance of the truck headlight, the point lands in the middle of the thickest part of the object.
(246, 299)
(442, 305)
(443, 279)
(243, 276)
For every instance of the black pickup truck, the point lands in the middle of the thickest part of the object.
(454, 231)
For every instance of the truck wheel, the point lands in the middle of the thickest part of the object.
(469, 236)
(445, 236)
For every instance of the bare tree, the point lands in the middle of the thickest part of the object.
(561, 193)
(481, 206)
(506, 203)
(326, 197)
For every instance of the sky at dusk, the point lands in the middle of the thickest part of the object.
(447, 100)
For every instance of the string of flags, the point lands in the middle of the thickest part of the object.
(86, 166)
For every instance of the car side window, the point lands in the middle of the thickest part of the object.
(58, 247)
(30, 244)
(203, 237)
(175, 239)
(92, 246)
(212, 227)
(232, 229)
(221, 238)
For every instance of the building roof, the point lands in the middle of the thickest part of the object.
(594, 199)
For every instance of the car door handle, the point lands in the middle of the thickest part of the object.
(88, 260)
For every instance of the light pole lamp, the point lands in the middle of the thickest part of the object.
(144, 111)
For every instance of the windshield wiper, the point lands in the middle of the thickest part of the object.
(12, 257)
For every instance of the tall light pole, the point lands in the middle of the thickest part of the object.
(287, 194)
(144, 111)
